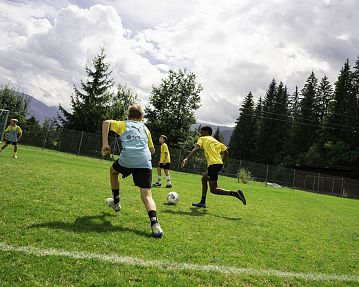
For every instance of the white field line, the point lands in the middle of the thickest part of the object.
(115, 259)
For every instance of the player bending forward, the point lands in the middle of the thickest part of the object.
(212, 151)
(135, 159)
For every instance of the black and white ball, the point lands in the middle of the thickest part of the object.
(172, 197)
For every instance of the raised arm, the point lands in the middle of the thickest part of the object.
(191, 154)
(106, 150)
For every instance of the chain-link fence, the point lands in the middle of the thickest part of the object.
(89, 144)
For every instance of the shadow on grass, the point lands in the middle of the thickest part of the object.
(198, 212)
(96, 223)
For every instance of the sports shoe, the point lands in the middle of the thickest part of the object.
(239, 194)
(168, 185)
(157, 184)
(115, 207)
(157, 230)
(199, 204)
(14, 156)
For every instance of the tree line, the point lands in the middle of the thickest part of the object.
(317, 125)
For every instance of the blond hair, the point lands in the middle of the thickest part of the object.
(135, 112)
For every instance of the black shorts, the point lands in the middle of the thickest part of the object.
(164, 166)
(142, 177)
(213, 171)
(10, 142)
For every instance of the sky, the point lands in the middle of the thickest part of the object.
(234, 46)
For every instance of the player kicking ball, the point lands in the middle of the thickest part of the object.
(135, 159)
(212, 151)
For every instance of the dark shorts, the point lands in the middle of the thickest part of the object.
(164, 166)
(142, 177)
(10, 142)
(213, 171)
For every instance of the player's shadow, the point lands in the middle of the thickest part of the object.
(87, 224)
(198, 212)
(192, 212)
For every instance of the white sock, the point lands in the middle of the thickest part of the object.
(168, 178)
(158, 178)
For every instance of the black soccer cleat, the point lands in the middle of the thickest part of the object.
(168, 185)
(199, 204)
(239, 194)
(156, 184)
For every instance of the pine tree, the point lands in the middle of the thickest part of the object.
(325, 97)
(307, 123)
(242, 143)
(218, 135)
(90, 106)
(172, 106)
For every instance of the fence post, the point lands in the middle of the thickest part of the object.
(333, 186)
(43, 146)
(293, 178)
(78, 152)
(313, 188)
(318, 182)
(342, 191)
(266, 176)
(179, 161)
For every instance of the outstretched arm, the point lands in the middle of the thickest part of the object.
(106, 150)
(225, 156)
(191, 154)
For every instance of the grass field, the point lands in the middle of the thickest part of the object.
(55, 230)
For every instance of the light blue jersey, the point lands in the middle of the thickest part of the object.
(12, 133)
(135, 152)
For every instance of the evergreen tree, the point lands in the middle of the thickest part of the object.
(172, 106)
(242, 143)
(307, 123)
(325, 97)
(14, 101)
(91, 105)
(218, 135)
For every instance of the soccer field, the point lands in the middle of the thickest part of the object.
(55, 230)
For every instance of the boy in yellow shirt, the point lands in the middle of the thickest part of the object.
(135, 159)
(165, 162)
(13, 134)
(212, 151)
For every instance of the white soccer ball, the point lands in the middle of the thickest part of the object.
(172, 197)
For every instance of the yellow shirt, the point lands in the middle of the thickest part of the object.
(164, 149)
(212, 149)
(119, 127)
(15, 128)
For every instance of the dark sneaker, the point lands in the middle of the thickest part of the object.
(240, 196)
(199, 204)
(168, 185)
(157, 184)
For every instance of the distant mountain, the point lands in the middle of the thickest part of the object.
(224, 130)
(40, 110)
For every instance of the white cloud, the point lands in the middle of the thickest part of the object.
(232, 46)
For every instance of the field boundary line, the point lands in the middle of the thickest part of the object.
(162, 264)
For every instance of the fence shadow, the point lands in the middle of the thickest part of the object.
(88, 224)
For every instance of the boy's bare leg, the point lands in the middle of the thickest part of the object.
(220, 191)
(146, 196)
(168, 178)
(158, 183)
(204, 181)
(115, 186)
(4, 146)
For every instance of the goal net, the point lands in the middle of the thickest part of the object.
(4, 114)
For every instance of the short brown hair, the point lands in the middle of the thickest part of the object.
(135, 112)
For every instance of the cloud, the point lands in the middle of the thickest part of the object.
(233, 47)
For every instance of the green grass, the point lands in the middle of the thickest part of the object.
(56, 200)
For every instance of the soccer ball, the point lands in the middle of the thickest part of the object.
(172, 197)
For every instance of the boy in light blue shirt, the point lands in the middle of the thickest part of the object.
(135, 159)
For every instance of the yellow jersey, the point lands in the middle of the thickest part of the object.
(212, 149)
(164, 149)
